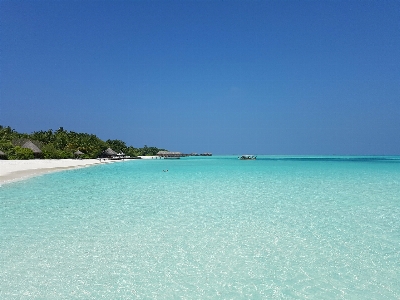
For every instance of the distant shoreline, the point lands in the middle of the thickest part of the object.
(16, 170)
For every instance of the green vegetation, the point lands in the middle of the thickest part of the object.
(63, 144)
(20, 153)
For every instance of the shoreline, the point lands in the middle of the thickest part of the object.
(17, 170)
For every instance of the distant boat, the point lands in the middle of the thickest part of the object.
(247, 157)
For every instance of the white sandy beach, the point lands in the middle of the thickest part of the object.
(13, 170)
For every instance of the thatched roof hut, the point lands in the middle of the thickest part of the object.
(109, 153)
(2, 155)
(78, 152)
(35, 149)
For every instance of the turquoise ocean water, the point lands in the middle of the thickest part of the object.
(209, 228)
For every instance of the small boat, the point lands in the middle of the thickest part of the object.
(247, 157)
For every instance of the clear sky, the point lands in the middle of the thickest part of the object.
(227, 77)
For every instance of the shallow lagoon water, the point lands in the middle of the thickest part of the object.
(209, 228)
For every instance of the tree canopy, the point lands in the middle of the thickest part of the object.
(63, 144)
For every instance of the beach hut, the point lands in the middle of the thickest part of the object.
(2, 155)
(109, 153)
(35, 149)
(78, 153)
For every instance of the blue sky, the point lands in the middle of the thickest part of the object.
(227, 77)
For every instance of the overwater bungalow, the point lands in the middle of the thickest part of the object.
(168, 154)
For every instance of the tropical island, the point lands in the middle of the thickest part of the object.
(62, 144)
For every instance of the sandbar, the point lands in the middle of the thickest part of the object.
(14, 170)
